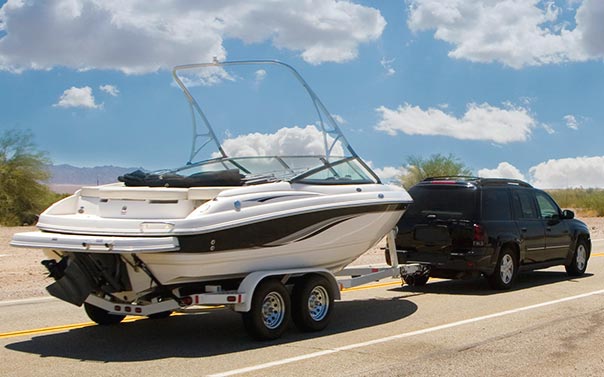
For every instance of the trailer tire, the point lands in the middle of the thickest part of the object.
(312, 303)
(270, 310)
(102, 316)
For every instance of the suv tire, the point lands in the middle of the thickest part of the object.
(506, 270)
(578, 265)
(416, 280)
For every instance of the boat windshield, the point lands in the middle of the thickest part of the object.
(247, 101)
(302, 169)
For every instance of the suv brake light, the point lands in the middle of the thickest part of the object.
(480, 237)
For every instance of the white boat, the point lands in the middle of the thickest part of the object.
(178, 232)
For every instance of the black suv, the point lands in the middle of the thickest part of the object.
(461, 227)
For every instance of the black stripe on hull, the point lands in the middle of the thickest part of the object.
(278, 231)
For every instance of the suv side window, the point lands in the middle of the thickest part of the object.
(547, 207)
(496, 205)
(524, 206)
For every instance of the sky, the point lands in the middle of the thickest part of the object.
(512, 88)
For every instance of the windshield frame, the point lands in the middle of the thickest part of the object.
(326, 123)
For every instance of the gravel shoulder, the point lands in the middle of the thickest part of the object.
(22, 275)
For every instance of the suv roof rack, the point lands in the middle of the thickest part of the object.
(478, 180)
(503, 181)
(459, 178)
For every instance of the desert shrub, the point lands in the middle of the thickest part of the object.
(437, 165)
(588, 200)
(23, 194)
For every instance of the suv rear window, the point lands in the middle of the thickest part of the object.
(496, 205)
(443, 201)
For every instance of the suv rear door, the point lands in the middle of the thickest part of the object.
(532, 230)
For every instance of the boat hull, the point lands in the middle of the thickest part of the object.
(332, 249)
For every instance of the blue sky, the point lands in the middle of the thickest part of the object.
(512, 88)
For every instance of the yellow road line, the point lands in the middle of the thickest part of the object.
(361, 288)
(45, 330)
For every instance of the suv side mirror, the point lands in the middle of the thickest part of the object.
(567, 214)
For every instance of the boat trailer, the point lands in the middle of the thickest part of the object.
(265, 298)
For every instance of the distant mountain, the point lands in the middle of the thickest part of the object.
(67, 178)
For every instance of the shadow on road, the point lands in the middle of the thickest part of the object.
(210, 333)
(480, 286)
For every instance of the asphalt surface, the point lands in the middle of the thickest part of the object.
(549, 324)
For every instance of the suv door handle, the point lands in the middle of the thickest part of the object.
(523, 229)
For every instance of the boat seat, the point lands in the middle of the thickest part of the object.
(139, 178)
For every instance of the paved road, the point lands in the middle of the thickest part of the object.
(548, 325)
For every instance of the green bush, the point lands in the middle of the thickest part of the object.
(22, 173)
(437, 165)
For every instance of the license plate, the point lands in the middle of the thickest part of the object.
(438, 235)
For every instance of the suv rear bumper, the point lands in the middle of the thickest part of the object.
(478, 260)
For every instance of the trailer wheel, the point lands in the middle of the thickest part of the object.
(102, 316)
(269, 313)
(312, 302)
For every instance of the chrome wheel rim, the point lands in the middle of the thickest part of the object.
(506, 270)
(273, 310)
(318, 303)
(581, 257)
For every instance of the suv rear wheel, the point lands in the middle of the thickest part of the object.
(505, 271)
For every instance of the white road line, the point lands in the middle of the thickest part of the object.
(25, 301)
(400, 336)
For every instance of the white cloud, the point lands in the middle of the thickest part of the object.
(569, 172)
(549, 129)
(339, 119)
(480, 122)
(112, 90)
(78, 97)
(390, 173)
(516, 33)
(286, 141)
(571, 122)
(135, 37)
(387, 64)
(260, 75)
(503, 170)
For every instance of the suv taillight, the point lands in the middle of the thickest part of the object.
(480, 237)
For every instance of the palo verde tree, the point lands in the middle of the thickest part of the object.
(437, 165)
(23, 169)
